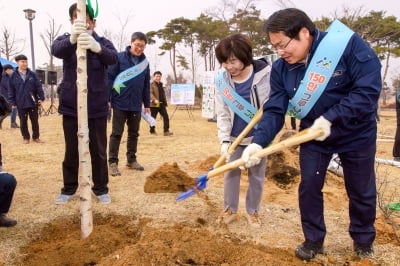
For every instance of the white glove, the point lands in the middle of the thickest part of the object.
(325, 125)
(224, 151)
(77, 28)
(247, 155)
(89, 43)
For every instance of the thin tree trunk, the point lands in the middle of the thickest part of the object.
(85, 168)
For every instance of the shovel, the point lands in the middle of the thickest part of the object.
(257, 116)
(301, 137)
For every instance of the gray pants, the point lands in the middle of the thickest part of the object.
(254, 191)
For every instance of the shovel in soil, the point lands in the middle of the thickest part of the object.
(301, 137)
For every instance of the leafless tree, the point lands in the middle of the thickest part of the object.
(48, 39)
(9, 44)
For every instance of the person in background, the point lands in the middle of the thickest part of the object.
(129, 82)
(26, 94)
(345, 112)
(396, 145)
(248, 82)
(100, 54)
(8, 70)
(158, 103)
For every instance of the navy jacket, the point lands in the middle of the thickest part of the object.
(136, 91)
(24, 94)
(349, 101)
(4, 85)
(97, 65)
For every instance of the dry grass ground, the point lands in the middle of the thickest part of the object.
(140, 228)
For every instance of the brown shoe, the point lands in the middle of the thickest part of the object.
(38, 141)
(168, 133)
(6, 222)
(135, 165)
(114, 169)
(26, 141)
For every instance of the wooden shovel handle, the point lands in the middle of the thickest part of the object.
(301, 137)
(257, 116)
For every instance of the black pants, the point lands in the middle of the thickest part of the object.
(98, 153)
(163, 112)
(7, 187)
(23, 118)
(132, 120)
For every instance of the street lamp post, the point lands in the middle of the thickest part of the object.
(30, 15)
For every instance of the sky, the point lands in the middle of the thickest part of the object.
(150, 15)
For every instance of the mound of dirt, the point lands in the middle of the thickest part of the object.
(119, 240)
(168, 178)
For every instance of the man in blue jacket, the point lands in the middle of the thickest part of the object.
(25, 93)
(129, 82)
(8, 70)
(100, 54)
(345, 111)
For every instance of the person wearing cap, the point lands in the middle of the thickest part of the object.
(129, 84)
(100, 54)
(25, 92)
(8, 70)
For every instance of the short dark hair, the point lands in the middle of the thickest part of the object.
(73, 8)
(7, 66)
(237, 45)
(21, 57)
(157, 73)
(139, 36)
(290, 21)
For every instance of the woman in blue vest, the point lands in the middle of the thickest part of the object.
(248, 81)
(345, 111)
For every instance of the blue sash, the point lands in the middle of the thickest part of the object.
(320, 69)
(129, 74)
(240, 106)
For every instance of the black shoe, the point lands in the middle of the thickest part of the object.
(363, 250)
(6, 222)
(309, 249)
(14, 125)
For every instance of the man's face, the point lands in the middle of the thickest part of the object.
(137, 47)
(157, 78)
(22, 64)
(290, 49)
(9, 71)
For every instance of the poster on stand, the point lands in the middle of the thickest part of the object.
(182, 94)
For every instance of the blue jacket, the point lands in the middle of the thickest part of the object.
(136, 91)
(349, 101)
(97, 65)
(24, 94)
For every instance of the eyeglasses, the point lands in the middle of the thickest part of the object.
(281, 47)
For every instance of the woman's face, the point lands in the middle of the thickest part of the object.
(234, 66)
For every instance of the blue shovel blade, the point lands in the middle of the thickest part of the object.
(201, 184)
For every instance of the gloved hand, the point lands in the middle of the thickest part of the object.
(325, 125)
(224, 151)
(89, 43)
(77, 28)
(247, 155)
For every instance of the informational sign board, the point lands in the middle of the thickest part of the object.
(182, 94)
(208, 100)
